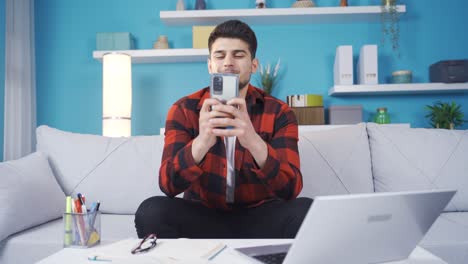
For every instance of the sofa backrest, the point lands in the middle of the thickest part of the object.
(405, 159)
(119, 172)
(335, 160)
(122, 172)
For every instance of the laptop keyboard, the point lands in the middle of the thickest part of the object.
(276, 258)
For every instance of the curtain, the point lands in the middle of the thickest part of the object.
(20, 80)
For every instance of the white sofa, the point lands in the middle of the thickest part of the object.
(122, 172)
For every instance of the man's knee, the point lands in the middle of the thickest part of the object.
(151, 207)
(303, 204)
(299, 208)
(151, 214)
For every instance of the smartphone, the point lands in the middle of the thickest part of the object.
(224, 86)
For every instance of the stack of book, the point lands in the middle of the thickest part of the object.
(308, 108)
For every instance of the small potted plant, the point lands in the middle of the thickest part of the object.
(269, 76)
(445, 115)
(390, 19)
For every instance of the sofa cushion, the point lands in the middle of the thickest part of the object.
(47, 239)
(448, 237)
(335, 161)
(119, 172)
(406, 159)
(27, 184)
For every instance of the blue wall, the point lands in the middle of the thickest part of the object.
(69, 80)
(2, 71)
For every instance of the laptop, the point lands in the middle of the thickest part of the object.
(358, 228)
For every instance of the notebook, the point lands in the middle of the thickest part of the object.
(168, 251)
(359, 228)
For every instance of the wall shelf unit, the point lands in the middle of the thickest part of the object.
(349, 14)
(160, 55)
(397, 89)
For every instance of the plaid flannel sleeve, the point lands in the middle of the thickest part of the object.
(281, 171)
(178, 168)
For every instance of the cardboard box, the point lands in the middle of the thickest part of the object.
(367, 70)
(114, 41)
(200, 35)
(343, 67)
(310, 115)
(345, 114)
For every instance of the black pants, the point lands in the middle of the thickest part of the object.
(176, 217)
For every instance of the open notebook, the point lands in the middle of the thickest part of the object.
(168, 251)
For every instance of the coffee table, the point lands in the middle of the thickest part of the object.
(227, 256)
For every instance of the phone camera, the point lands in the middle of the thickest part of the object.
(218, 84)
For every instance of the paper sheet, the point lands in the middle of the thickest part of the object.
(178, 251)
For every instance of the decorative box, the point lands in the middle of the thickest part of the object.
(309, 115)
(200, 36)
(345, 114)
(114, 41)
(449, 71)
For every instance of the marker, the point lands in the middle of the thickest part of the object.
(80, 222)
(68, 228)
(98, 258)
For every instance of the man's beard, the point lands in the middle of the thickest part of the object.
(243, 84)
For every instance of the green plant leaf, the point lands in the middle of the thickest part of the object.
(443, 114)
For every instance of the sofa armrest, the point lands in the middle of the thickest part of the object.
(29, 194)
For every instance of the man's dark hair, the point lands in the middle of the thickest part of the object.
(237, 30)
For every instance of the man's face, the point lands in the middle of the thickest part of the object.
(229, 55)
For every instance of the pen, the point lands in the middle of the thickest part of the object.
(98, 258)
(81, 198)
(217, 253)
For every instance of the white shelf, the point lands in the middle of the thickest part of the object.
(160, 55)
(350, 14)
(407, 88)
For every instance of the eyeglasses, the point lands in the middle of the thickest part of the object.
(147, 243)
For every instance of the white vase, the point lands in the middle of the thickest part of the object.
(161, 43)
(303, 3)
(180, 5)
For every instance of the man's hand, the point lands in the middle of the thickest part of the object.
(234, 115)
(206, 138)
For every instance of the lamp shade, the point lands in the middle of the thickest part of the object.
(117, 95)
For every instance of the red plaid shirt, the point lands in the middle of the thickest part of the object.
(280, 177)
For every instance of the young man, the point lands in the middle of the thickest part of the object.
(240, 182)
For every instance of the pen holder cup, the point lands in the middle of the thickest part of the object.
(81, 230)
